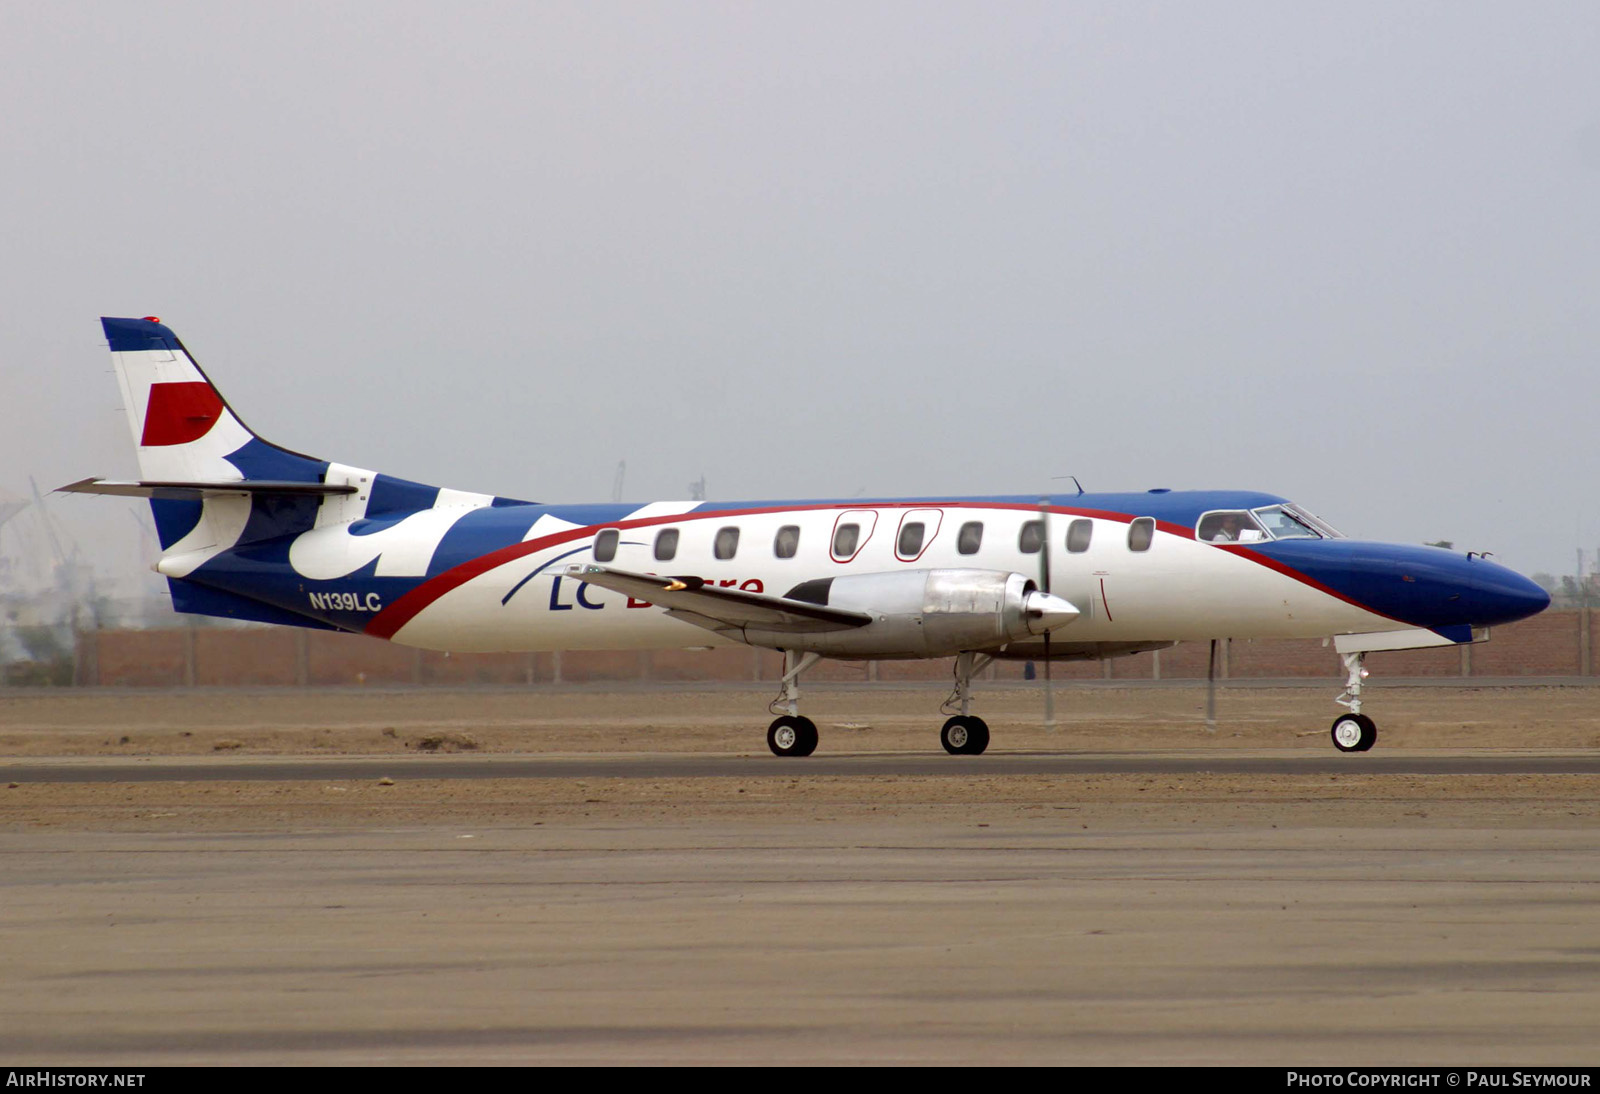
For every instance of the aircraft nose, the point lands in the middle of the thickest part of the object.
(1501, 595)
(1046, 611)
(1431, 587)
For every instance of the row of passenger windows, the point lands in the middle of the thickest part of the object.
(1030, 541)
(847, 540)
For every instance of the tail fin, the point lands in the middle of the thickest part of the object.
(232, 509)
(202, 468)
(184, 429)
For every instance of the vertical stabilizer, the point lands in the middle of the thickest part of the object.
(184, 431)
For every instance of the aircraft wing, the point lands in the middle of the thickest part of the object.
(695, 601)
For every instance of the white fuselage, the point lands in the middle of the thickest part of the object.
(1177, 589)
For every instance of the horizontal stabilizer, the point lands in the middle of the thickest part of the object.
(697, 601)
(196, 491)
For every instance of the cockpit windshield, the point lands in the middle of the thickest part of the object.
(1283, 524)
(1324, 529)
(1256, 525)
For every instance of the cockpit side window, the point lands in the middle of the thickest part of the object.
(1229, 526)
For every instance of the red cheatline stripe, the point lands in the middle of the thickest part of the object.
(1289, 571)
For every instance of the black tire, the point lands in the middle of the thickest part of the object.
(977, 736)
(1354, 733)
(953, 735)
(1370, 738)
(791, 735)
(964, 736)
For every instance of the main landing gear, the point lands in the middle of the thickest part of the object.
(793, 734)
(1353, 732)
(965, 734)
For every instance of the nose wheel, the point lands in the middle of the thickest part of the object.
(965, 735)
(1354, 733)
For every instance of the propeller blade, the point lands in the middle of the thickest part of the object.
(1044, 586)
(1211, 690)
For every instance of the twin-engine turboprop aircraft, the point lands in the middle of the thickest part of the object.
(253, 531)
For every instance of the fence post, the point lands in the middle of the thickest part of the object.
(188, 657)
(302, 657)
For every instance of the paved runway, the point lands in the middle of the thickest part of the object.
(679, 765)
(1059, 940)
(696, 899)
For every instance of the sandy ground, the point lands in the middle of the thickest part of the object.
(131, 724)
(1334, 920)
(728, 719)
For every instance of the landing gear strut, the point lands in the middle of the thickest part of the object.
(965, 734)
(1353, 732)
(792, 734)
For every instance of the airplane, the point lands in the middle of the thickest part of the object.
(253, 531)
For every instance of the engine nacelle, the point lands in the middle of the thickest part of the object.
(924, 613)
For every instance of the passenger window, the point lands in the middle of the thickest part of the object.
(1031, 537)
(1140, 533)
(605, 545)
(787, 541)
(970, 538)
(727, 543)
(1079, 532)
(666, 544)
(910, 544)
(844, 540)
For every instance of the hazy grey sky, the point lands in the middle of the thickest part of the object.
(1346, 252)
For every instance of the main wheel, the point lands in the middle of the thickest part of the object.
(964, 735)
(792, 735)
(1354, 733)
(977, 736)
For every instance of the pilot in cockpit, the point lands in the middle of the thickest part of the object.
(1232, 527)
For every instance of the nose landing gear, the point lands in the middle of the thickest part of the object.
(1353, 732)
